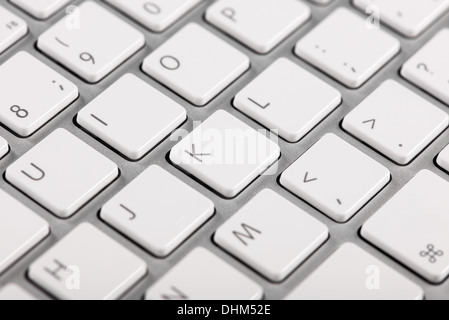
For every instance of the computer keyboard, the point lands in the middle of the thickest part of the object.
(229, 149)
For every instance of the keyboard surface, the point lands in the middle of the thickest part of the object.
(85, 172)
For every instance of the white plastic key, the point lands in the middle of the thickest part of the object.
(4, 147)
(203, 276)
(225, 154)
(412, 226)
(353, 274)
(336, 178)
(62, 173)
(41, 9)
(156, 15)
(195, 53)
(322, 2)
(32, 94)
(443, 159)
(12, 29)
(348, 48)
(13, 292)
(132, 117)
(293, 108)
(20, 230)
(87, 265)
(145, 211)
(409, 18)
(396, 122)
(259, 24)
(91, 49)
(271, 235)
(429, 67)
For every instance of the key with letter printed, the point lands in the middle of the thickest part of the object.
(89, 48)
(203, 276)
(4, 147)
(62, 173)
(412, 226)
(20, 230)
(156, 15)
(271, 235)
(410, 18)
(225, 154)
(259, 24)
(429, 67)
(347, 48)
(353, 274)
(13, 292)
(12, 29)
(132, 116)
(195, 53)
(335, 177)
(283, 107)
(87, 265)
(145, 211)
(396, 122)
(32, 94)
(41, 9)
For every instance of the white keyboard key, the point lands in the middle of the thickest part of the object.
(41, 9)
(20, 230)
(91, 49)
(4, 147)
(443, 159)
(195, 53)
(132, 117)
(59, 160)
(322, 2)
(409, 18)
(353, 274)
(169, 213)
(429, 67)
(32, 94)
(270, 104)
(87, 265)
(156, 15)
(13, 292)
(271, 235)
(396, 122)
(12, 29)
(348, 48)
(259, 24)
(225, 154)
(412, 226)
(336, 178)
(203, 276)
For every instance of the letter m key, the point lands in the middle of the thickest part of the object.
(247, 233)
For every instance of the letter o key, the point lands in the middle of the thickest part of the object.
(170, 63)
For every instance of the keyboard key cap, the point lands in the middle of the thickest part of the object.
(13, 292)
(132, 117)
(225, 154)
(4, 147)
(429, 68)
(20, 230)
(213, 279)
(270, 103)
(322, 2)
(41, 9)
(87, 265)
(409, 18)
(412, 226)
(443, 159)
(347, 48)
(12, 29)
(335, 178)
(32, 94)
(353, 274)
(396, 122)
(271, 235)
(91, 49)
(59, 160)
(156, 15)
(259, 24)
(160, 221)
(195, 53)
